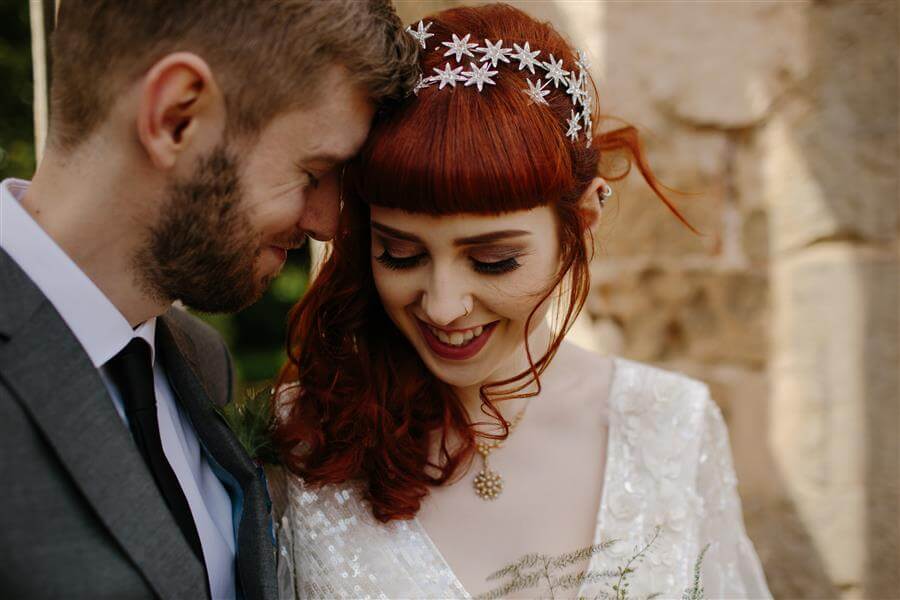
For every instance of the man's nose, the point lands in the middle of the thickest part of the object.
(322, 209)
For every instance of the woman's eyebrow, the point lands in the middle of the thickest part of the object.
(487, 238)
(482, 238)
(395, 233)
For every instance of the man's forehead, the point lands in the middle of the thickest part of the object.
(340, 137)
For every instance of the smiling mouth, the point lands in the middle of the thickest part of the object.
(456, 345)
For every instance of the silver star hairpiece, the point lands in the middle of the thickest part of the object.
(421, 84)
(478, 76)
(588, 125)
(493, 53)
(574, 88)
(459, 47)
(574, 126)
(421, 33)
(536, 91)
(526, 57)
(447, 77)
(583, 62)
(555, 71)
(586, 100)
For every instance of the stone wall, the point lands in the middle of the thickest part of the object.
(781, 121)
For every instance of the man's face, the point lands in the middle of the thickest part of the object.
(224, 233)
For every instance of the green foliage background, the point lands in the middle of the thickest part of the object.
(16, 117)
(256, 335)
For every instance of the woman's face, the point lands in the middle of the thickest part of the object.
(461, 287)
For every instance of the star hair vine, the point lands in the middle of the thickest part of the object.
(463, 65)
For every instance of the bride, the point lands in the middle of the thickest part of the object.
(437, 427)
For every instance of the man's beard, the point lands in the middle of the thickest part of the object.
(202, 250)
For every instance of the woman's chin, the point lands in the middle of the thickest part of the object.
(457, 376)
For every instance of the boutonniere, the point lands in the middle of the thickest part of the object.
(252, 420)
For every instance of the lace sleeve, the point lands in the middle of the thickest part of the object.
(731, 568)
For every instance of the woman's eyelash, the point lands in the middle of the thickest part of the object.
(496, 268)
(394, 262)
(408, 262)
(313, 180)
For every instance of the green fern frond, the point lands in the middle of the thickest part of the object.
(517, 584)
(695, 592)
(565, 560)
(526, 562)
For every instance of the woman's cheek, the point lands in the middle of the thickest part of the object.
(394, 288)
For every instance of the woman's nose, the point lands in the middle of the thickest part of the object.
(443, 304)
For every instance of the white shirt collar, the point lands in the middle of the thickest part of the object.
(97, 324)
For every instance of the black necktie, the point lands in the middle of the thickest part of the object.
(133, 375)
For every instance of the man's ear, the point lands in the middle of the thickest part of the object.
(180, 104)
(590, 202)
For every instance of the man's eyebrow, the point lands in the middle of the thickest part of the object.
(483, 238)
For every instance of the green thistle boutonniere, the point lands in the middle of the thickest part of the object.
(252, 420)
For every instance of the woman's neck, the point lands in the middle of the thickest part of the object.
(539, 341)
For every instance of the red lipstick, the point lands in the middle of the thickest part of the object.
(451, 352)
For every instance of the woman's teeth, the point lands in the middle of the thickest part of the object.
(457, 338)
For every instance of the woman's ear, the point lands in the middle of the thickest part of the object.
(592, 200)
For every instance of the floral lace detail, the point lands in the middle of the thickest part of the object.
(668, 466)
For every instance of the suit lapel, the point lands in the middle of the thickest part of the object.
(46, 368)
(255, 549)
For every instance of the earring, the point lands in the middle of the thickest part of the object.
(341, 189)
(604, 193)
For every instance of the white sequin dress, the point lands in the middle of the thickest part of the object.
(668, 466)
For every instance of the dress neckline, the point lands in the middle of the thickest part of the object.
(595, 539)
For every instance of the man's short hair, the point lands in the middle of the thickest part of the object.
(266, 55)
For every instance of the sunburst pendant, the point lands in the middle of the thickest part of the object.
(488, 484)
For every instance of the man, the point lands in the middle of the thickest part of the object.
(191, 144)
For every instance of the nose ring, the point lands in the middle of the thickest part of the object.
(467, 306)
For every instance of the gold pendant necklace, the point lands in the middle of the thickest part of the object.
(489, 483)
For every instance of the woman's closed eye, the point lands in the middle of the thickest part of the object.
(391, 261)
(496, 267)
(409, 258)
(496, 261)
(399, 255)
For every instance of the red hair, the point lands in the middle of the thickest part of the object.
(367, 405)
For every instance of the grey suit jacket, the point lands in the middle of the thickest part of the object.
(80, 515)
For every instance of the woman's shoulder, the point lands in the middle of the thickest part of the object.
(639, 387)
(308, 507)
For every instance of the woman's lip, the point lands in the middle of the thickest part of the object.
(456, 352)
